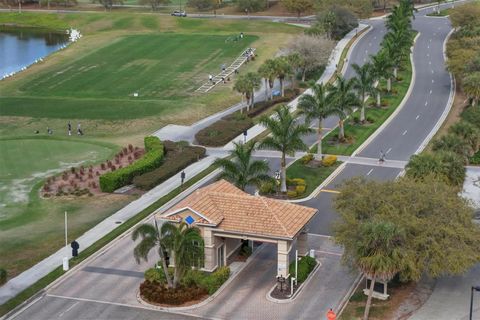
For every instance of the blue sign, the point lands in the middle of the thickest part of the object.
(189, 220)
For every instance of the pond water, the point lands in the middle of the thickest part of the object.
(21, 47)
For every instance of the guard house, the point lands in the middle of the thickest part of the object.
(227, 215)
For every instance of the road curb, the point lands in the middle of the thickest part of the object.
(343, 303)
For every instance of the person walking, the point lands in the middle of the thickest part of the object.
(331, 315)
(69, 127)
(210, 78)
(382, 157)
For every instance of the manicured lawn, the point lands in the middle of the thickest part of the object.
(358, 132)
(312, 176)
(442, 13)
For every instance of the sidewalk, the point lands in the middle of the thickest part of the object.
(41, 269)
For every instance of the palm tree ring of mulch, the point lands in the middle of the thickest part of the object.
(157, 294)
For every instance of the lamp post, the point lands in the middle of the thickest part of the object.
(474, 288)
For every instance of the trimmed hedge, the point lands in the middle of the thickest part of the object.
(329, 160)
(176, 159)
(111, 181)
(229, 127)
(305, 267)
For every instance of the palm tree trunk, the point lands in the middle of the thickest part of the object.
(389, 84)
(378, 99)
(271, 84)
(266, 89)
(395, 72)
(253, 99)
(283, 174)
(281, 87)
(369, 300)
(165, 267)
(176, 276)
(474, 102)
(319, 140)
(304, 73)
(362, 110)
(341, 131)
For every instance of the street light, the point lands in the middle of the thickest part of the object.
(474, 288)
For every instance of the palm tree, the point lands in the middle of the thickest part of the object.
(267, 72)
(185, 243)
(242, 170)
(381, 67)
(253, 83)
(379, 253)
(343, 100)
(241, 86)
(282, 70)
(471, 86)
(286, 137)
(295, 61)
(363, 83)
(316, 106)
(151, 238)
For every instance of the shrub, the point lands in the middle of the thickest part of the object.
(111, 181)
(267, 187)
(307, 158)
(175, 161)
(472, 115)
(300, 189)
(193, 278)
(157, 293)
(291, 194)
(155, 275)
(356, 119)
(212, 282)
(329, 161)
(370, 119)
(299, 182)
(245, 251)
(305, 267)
(221, 132)
(3, 276)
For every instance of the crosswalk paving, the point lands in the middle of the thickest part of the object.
(209, 85)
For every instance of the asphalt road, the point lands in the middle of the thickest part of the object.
(106, 287)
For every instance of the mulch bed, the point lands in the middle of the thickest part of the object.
(285, 294)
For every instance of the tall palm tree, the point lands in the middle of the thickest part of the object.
(286, 137)
(185, 243)
(295, 61)
(187, 246)
(316, 106)
(253, 83)
(242, 87)
(363, 83)
(344, 100)
(381, 67)
(151, 238)
(241, 169)
(282, 70)
(379, 253)
(267, 72)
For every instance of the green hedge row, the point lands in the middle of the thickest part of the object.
(209, 282)
(175, 161)
(305, 266)
(153, 157)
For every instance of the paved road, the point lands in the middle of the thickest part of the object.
(105, 287)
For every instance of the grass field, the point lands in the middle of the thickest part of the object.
(162, 58)
(312, 176)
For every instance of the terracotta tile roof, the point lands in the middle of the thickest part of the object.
(231, 209)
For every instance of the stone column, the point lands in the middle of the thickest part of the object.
(210, 252)
(302, 244)
(283, 261)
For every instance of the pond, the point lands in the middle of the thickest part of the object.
(20, 47)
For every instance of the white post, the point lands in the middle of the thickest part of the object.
(291, 286)
(296, 266)
(65, 258)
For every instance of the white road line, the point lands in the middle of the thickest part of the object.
(375, 37)
(129, 306)
(430, 91)
(426, 103)
(428, 47)
(433, 72)
(68, 309)
(404, 132)
(428, 54)
(418, 116)
(329, 252)
(388, 151)
(368, 173)
(429, 62)
(433, 81)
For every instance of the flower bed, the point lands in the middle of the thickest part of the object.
(195, 286)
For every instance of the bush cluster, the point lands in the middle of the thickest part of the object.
(3, 276)
(329, 161)
(299, 185)
(305, 267)
(208, 282)
(307, 158)
(158, 293)
(153, 157)
(176, 159)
